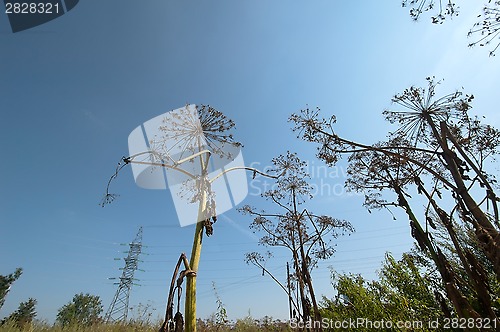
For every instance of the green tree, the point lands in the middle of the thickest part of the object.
(24, 314)
(402, 294)
(6, 282)
(84, 309)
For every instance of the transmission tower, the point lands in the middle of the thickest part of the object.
(118, 308)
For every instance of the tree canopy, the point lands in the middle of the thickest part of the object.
(6, 282)
(83, 309)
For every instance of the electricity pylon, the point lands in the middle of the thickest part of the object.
(118, 308)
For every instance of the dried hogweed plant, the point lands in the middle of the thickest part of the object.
(488, 27)
(189, 142)
(307, 236)
(441, 10)
(437, 149)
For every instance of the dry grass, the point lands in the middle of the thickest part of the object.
(42, 327)
(242, 325)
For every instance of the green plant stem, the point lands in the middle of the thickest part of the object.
(190, 306)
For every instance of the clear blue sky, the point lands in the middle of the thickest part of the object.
(73, 89)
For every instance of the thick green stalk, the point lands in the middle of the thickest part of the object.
(190, 306)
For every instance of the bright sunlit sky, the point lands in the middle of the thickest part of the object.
(73, 89)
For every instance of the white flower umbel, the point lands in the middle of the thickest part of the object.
(186, 151)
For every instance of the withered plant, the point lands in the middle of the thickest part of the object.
(442, 153)
(485, 31)
(188, 140)
(306, 235)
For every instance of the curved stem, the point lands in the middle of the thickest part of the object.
(175, 163)
(256, 263)
(244, 168)
(393, 154)
(384, 150)
(163, 165)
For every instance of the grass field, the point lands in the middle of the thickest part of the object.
(242, 325)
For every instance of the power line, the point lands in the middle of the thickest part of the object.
(118, 308)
